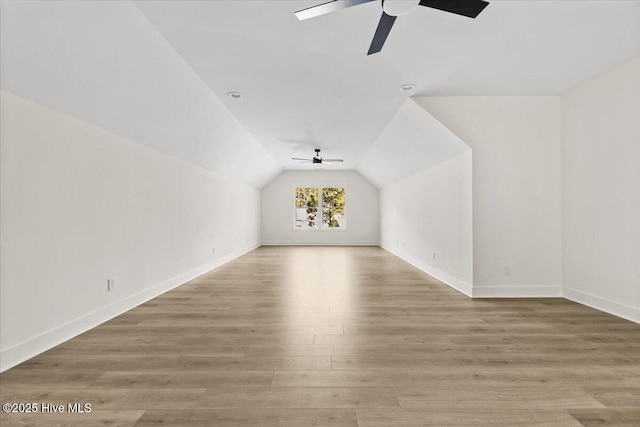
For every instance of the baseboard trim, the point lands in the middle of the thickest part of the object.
(445, 278)
(517, 292)
(603, 304)
(320, 244)
(32, 347)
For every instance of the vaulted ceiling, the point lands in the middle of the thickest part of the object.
(311, 81)
(159, 71)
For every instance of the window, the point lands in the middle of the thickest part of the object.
(307, 205)
(333, 207)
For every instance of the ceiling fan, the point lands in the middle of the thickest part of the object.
(317, 159)
(391, 9)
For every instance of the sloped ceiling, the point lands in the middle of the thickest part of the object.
(413, 141)
(103, 63)
(159, 71)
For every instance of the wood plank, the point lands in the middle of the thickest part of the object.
(315, 397)
(184, 379)
(509, 396)
(94, 418)
(618, 417)
(461, 417)
(251, 417)
(173, 363)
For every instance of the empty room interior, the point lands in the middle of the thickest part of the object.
(300, 213)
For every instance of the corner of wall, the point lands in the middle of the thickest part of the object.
(453, 282)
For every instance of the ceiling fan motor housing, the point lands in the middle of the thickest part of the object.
(398, 7)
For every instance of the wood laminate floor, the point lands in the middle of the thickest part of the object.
(338, 336)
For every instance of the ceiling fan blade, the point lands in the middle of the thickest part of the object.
(329, 161)
(470, 8)
(332, 6)
(384, 26)
(303, 160)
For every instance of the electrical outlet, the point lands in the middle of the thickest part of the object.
(213, 251)
(507, 270)
(433, 255)
(111, 284)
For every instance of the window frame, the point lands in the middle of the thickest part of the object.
(320, 227)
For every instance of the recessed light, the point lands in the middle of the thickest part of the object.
(235, 95)
(410, 87)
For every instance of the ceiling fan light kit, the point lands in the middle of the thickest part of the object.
(394, 8)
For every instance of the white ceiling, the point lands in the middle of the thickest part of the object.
(158, 71)
(412, 142)
(311, 82)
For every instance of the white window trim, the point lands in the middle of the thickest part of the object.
(321, 229)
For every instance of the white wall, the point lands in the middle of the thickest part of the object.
(431, 211)
(516, 189)
(362, 210)
(105, 64)
(80, 205)
(601, 192)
